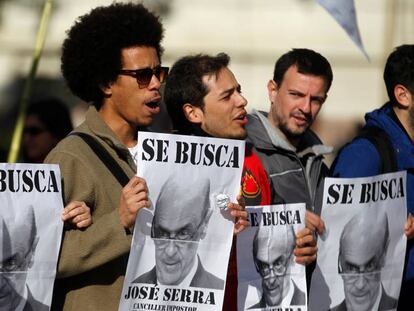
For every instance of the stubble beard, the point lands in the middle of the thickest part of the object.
(291, 135)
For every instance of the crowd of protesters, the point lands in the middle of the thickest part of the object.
(112, 59)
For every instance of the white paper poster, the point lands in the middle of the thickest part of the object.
(181, 245)
(30, 234)
(268, 276)
(361, 255)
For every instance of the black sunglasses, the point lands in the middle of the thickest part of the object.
(144, 75)
(33, 130)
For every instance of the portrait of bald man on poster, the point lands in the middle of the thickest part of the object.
(181, 244)
(30, 235)
(268, 274)
(362, 249)
(18, 236)
(360, 256)
(177, 228)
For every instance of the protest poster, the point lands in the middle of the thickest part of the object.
(268, 276)
(181, 245)
(30, 234)
(361, 254)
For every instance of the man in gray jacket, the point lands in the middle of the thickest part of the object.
(291, 153)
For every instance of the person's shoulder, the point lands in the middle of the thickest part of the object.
(255, 185)
(340, 307)
(387, 302)
(205, 279)
(260, 304)
(149, 277)
(65, 148)
(34, 305)
(360, 145)
(250, 156)
(298, 297)
(254, 126)
(72, 146)
(359, 158)
(213, 281)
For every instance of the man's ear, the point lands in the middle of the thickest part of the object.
(192, 113)
(272, 89)
(30, 255)
(106, 89)
(402, 95)
(205, 222)
(384, 254)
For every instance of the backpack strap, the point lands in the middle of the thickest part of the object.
(382, 143)
(105, 157)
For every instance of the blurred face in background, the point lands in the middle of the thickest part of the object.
(37, 140)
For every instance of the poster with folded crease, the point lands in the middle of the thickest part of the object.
(30, 234)
(361, 254)
(181, 245)
(268, 276)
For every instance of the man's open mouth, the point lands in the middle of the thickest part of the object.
(153, 104)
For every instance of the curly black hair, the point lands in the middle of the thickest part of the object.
(91, 53)
(399, 69)
(184, 84)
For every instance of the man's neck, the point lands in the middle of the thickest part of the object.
(406, 120)
(20, 299)
(198, 131)
(190, 275)
(285, 290)
(292, 140)
(287, 285)
(125, 131)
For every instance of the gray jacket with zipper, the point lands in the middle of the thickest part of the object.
(295, 175)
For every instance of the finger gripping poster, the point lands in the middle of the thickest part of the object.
(181, 244)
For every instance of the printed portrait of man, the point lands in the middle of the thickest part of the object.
(18, 235)
(362, 250)
(272, 254)
(181, 217)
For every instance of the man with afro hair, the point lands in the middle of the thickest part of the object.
(111, 59)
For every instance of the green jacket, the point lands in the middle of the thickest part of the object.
(93, 261)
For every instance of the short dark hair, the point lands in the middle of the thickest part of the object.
(307, 61)
(91, 53)
(54, 115)
(184, 84)
(399, 69)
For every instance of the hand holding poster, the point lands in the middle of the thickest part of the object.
(30, 234)
(269, 278)
(181, 245)
(361, 254)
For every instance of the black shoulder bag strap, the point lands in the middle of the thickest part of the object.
(382, 143)
(105, 157)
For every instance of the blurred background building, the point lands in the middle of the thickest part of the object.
(253, 32)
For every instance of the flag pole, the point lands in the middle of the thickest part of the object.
(40, 40)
